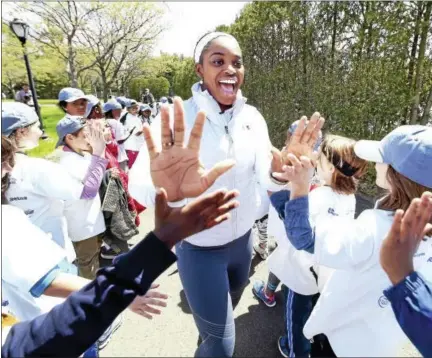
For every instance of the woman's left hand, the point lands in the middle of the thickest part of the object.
(142, 305)
(276, 164)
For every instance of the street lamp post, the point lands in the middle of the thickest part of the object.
(20, 30)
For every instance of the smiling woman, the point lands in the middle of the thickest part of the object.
(218, 259)
(220, 66)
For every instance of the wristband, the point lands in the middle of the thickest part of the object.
(274, 180)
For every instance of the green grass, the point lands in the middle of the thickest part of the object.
(50, 116)
(48, 101)
(40, 101)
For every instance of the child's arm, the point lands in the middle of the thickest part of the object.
(336, 242)
(295, 216)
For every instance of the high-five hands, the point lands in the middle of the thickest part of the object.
(96, 138)
(177, 167)
(401, 243)
(145, 305)
(301, 146)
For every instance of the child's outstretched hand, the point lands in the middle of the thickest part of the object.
(401, 243)
(298, 174)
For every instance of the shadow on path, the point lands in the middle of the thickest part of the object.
(257, 331)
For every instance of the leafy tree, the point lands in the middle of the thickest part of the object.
(118, 32)
(60, 26)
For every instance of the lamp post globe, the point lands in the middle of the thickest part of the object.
(20, 30)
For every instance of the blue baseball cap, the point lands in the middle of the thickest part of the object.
(68, 125)
(16, 115)
(130, 103)
(111, 105)
(408, 149)
(145, 107)
(92, 101)
(70, 94)
(122, 100)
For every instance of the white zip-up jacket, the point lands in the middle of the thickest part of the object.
(239, 133)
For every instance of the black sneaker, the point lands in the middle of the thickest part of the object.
(108, 253)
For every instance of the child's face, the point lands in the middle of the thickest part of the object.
(381, 175)
(324, 169)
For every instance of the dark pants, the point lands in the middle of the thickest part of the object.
(213, 279)
(297, 310)
(272, 282)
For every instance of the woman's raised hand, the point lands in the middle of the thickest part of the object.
(304, 138)
(177, 167)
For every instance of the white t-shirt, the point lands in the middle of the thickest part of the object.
(352, 310)
(292, 266)
(28, 254)
(84, 216)
(39, 187)
(119, 134)
(134, 142)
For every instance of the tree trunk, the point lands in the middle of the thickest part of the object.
(363, 27)
(370, 9)
(104, 84)
(72, 72)
(419, 71)
(427, 115)
(334, 32)
(305, 54)
(414, 45)
(412, 61)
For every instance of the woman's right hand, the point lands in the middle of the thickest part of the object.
(177, 167)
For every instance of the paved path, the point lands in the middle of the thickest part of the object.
(173, 334)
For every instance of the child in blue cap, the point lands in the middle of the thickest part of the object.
(353, 311)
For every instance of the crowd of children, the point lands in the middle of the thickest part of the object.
(340, 288)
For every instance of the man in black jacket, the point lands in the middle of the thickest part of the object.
(147, 97)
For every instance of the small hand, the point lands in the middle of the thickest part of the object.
(298, 174)
(177, 167)
(142, 305)
(401, 243)
(175, 224)
(95, 137)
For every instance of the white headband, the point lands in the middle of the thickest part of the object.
(205, 40)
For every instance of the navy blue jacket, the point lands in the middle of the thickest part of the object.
(71, 328)
(411, 300)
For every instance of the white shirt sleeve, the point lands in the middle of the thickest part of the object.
(141, 186)
(28, 253)
(54, 180)
(263, 155)
(344, 243)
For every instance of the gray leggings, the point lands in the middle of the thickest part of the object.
(214, 279)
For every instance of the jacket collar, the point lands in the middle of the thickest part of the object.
(203, 100)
